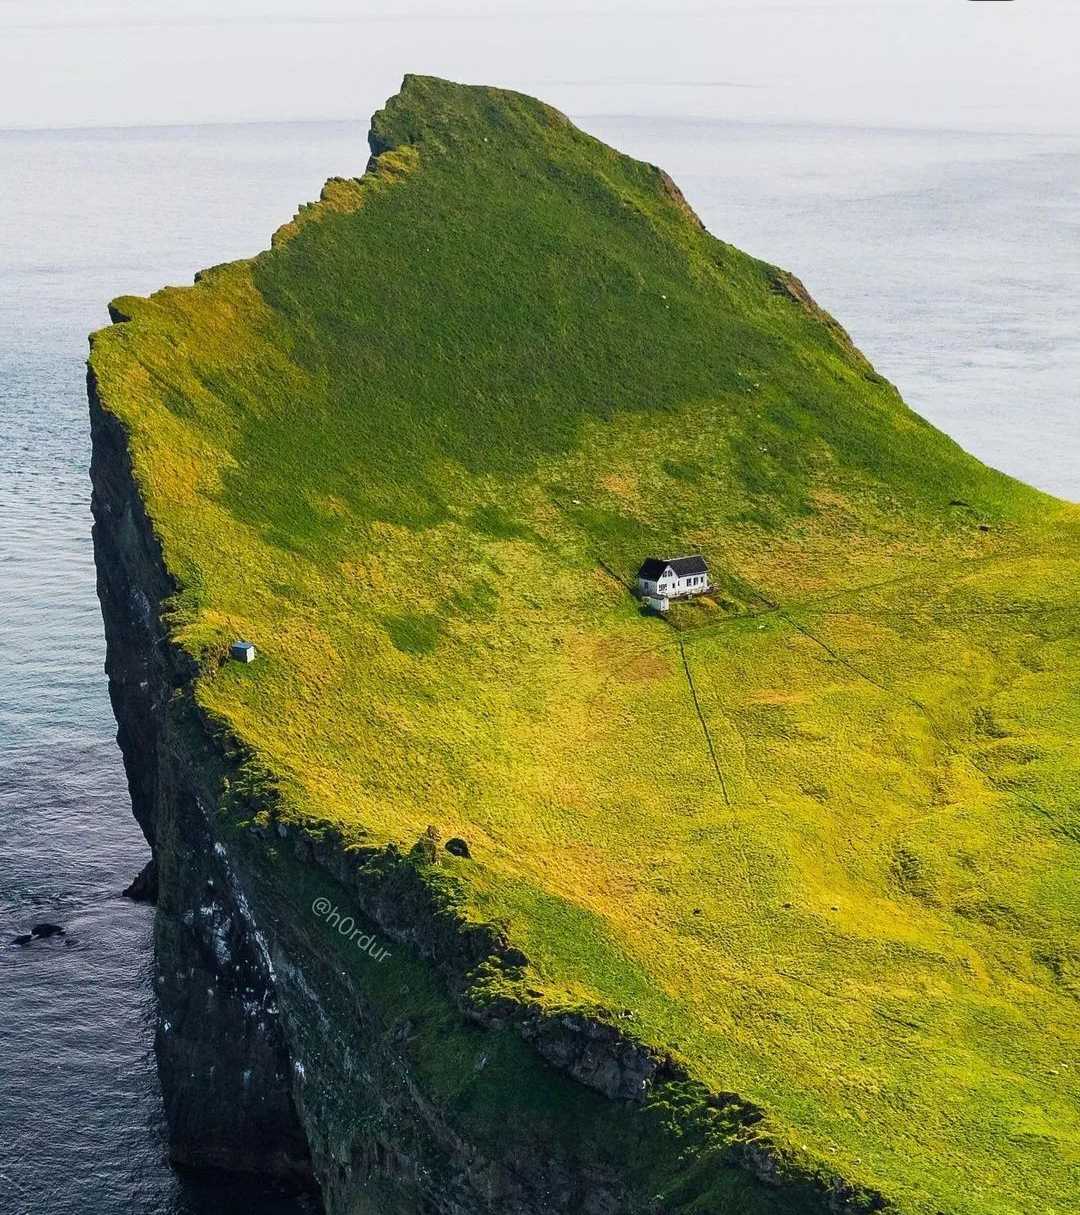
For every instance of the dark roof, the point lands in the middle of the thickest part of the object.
(653, 567)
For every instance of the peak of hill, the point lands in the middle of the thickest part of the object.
(815, 830)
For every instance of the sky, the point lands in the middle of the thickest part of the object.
(1005, 65)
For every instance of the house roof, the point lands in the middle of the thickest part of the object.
(653, 567)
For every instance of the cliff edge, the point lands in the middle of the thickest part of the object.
(762, 906)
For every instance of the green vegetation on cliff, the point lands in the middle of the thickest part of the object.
(820, 831)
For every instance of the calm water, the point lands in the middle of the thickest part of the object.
(953, 259)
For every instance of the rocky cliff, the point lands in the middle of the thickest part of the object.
(288, 1048)
(764, 905)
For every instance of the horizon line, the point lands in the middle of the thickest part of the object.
(580, 117)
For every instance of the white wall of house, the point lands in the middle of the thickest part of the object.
(670, 585)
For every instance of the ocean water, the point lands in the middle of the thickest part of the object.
(953, 259)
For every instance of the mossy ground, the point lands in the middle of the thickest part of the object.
(414, 453)
(491, 1086)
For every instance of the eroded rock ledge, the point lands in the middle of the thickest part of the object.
(279, 1058)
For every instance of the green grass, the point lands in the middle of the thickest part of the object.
(411, 451)
(495, 1089)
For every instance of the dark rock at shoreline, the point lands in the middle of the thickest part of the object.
(46, 930)
(144, 887)
(25, 939)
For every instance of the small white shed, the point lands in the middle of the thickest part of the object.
(242, 651)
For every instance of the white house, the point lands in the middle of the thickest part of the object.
(664, 578)
(242, 651)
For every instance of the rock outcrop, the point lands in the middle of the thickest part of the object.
(332, 1013)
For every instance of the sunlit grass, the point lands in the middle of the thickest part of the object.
(411, 453)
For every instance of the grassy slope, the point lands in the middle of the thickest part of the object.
(411, 451)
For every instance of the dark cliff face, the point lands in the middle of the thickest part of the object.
(415, 451)
(271, 1061)
(283, 1053)
(220, 1047)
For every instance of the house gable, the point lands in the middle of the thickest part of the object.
(653, 569)
(685, 567)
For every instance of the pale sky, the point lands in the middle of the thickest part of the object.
(967, 64)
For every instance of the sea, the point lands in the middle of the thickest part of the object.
(952, 258)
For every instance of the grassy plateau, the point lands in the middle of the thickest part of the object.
(820, 830)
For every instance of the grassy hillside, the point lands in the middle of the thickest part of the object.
(820, 831)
